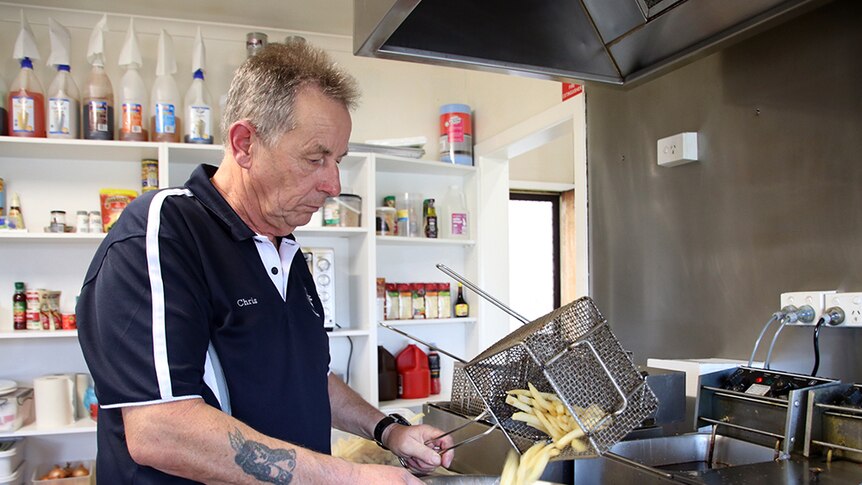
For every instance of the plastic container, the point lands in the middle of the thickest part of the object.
(63, 107)
(198, 112)
(11, 456)
(15, 478)
(16, 409)
(456, 223)
(414, 377)
(4, 113)
(344, 210)
(26, 104)
(41, 470)
(409, 214)
(132, 125)
(97, 119)
(387, 375)
(456, 134)
(166, 118)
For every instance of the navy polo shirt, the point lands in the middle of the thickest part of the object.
(179, 304)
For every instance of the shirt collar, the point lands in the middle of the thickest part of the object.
(204, 190)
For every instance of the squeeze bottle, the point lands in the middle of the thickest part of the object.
(63, 107)
(198, 112)
(26, 103)
(133, 102)
(166, 104)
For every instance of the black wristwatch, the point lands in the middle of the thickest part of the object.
(384, 423)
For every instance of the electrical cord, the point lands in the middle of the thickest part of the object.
(349, 357)
(775, 317)
(784, 321)
(817, 345)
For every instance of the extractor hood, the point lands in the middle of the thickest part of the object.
(612, 41)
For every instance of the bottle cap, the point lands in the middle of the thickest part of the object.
(199, 74)
(26, 63)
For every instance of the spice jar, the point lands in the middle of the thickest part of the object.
(58, 221)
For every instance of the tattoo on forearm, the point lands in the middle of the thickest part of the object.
(261, 461)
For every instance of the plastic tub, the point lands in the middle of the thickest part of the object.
(11, 455)
(16, 478)
(342, 211)
(42, 470)
(16, 409)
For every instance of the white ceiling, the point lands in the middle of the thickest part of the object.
(321, 16)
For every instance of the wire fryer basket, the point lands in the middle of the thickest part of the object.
(571, 352)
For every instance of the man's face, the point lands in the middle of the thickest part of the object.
(293, 178)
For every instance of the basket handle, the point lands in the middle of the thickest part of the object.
(468, 440)
(610, 376)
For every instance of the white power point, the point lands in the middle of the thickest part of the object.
(851, 303)
(815, 299)
(677, 149)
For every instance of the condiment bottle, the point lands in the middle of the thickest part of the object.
(166, 104)
(63, 107)
(429, 214)
(133, 102)
(434, 368)
(19, 307)
(15, 218)
(26, 103)
(462, 309)
(198, 112)
(98, 105)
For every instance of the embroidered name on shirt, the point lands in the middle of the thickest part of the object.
(246, 302)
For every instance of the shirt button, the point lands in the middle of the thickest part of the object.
(274, 270)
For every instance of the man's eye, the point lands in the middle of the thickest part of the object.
(317, 161)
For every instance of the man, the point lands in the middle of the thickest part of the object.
(199, 319)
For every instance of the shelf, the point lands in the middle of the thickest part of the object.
(85, 425)
(65, 237)
(422, 241)
(429, 321)
(346, 232)
(348, 333)
(59, 149)
(38, 334)
(389, 164)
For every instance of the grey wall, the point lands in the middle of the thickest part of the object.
(690, 261)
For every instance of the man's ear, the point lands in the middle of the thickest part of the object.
(240, 135)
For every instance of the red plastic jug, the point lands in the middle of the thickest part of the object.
(414, 377)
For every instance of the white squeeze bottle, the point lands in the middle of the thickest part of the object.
(166, 102)
(97, 113)
(133, 119)
(456, 215)
(198, 104)
(63, 107)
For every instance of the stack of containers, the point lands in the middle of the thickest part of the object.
(12, 462)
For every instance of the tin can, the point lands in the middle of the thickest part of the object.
(34, 306)
(456, 134)
(149, 175)
(82, 221)
(95, 221)
(70, 321)
(58, 221)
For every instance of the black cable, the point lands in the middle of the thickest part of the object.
(349, 357)
(817, 346)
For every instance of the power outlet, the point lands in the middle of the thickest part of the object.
(677, 149)
(816, 299)
(851, 303)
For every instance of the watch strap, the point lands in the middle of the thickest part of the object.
(384, 423)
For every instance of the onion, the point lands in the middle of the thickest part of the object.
(80, 471)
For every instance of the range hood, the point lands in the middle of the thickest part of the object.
(612, 41)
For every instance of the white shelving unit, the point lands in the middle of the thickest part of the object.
(67, 175)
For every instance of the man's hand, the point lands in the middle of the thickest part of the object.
(408, 442)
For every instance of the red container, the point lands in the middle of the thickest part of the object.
(414, 377)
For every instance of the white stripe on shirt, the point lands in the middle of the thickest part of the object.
(157, 291)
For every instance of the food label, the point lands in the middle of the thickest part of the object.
(166, 121)
(133, 120)
(98, 116)
(59, 114)
(459, 223)
(199, 123)
(149, 175)
(23, 114)
(455, 126)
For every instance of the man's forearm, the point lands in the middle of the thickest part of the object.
(196, 441)
(350, 412)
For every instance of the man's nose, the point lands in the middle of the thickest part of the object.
(331, 183)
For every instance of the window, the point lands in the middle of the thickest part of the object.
(534, 253)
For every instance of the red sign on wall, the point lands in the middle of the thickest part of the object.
(570, 90)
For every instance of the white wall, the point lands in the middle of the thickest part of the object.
(399, 99)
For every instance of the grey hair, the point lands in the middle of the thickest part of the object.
(263, 89)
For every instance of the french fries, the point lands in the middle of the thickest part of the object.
(547, 413)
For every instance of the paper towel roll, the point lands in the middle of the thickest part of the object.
(54, 401)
